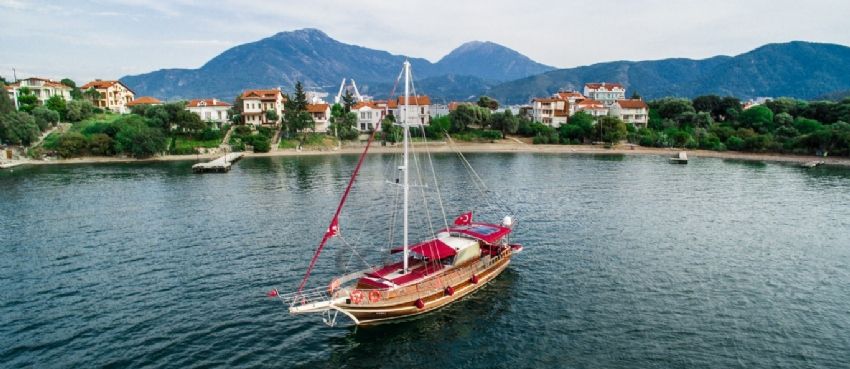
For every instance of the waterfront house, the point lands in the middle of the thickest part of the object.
(419, 112)
(255, 104)
(631, 111)
(593, 107)
(572, 98)
(42, 88)
(144, 100)
(551, 111)
(113, 95)
(321, 114)
(369, 114)
(210, 110)
(605, 92)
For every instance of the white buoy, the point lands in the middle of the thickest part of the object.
(508, 221)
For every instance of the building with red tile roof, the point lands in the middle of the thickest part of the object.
(144, 100)
(551, 111)
(419, 112)
(210, 110)
(605, 92)
(255, 104)
(369, 114)
(114, 95)
(631, 111)
(42, 88)
(321, 114)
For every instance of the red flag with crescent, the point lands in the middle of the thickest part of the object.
(333, 229)
(464, 219)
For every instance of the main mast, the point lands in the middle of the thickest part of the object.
(406, 153)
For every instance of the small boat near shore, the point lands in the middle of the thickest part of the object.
(812, 164)
(681, 158)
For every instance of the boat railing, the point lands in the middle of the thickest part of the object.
(305, 297)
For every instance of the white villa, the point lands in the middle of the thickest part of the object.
(419, 113)
(631, 111)
(605, 92)
(593, 107)
(210, 110)
(255, 104)
(369, 114)
(42, 88)
(551, 111)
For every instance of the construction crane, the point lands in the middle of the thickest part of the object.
(338, 97)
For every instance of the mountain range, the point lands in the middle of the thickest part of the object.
(796, 69)
(320, 63)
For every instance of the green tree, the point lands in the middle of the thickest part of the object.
(783, 120)
(27, 101)
(391, 132)
(136, 138)
(708, 104)
(261, 143)
(272, 116)
(343, 124)
(72, 144)
(188, 122)
(759, 118)
(101, 144)
(295, 114)
(488, 103)
(77, 110)
(57, 104)
(18, 128)
(730, 109)
(68, 82)
(504, 122)
(673, 108)
(45, 118)
(6, 103)
(703, 120)
(92, 94)
(610, 129)
(468, 115)
(438, 127)
(348, 101)
(578, 129)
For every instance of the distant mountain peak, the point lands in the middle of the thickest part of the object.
(302, 33)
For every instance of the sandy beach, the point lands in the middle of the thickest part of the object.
(501, 146)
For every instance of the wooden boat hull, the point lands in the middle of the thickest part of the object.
(405, 306)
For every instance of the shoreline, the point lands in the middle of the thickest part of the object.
(502, 146)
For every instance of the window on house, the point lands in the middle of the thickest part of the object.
(362, 126)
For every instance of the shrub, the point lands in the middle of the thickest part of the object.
(735, 143)
(101, 144)
(72, 144)
(261, 143)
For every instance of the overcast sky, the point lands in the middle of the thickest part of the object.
(108, 39)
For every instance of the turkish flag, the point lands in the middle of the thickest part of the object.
(333, 230)
(464, 219)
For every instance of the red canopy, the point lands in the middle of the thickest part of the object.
(433, 249)
(488, 233)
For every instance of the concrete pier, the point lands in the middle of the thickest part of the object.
(219, 165)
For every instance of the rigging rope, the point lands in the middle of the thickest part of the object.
(335, 220)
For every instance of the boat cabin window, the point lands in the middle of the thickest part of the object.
(448, 261)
